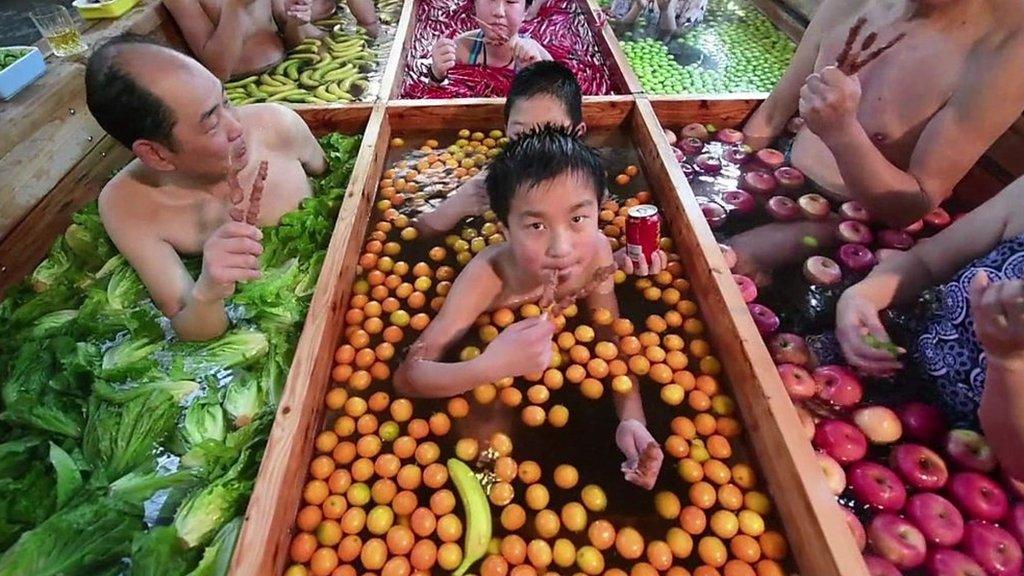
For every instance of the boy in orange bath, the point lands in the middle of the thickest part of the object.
(496, 43)
(546, 190)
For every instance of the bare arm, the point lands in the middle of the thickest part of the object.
(1002, 413)
(469, 199)
(293, 20)
(218, 46)
(365, 14)
(309, 152)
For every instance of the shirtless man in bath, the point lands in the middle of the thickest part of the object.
(174, 198)
(899, 134)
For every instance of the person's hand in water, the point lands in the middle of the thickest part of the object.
(998, 312)
(659, 260)
(642, 452)
(864, 342)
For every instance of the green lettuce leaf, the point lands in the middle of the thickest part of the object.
(159, 552)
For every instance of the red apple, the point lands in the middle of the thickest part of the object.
(854, 232)
(679, 156)
(789, 178)
(938, 219)
(747, 287)
(788, 348)
(1014, 487)
(922, 422)
(688, 171)
(795, 124)
(880, 566)
(978, 496)
(769, 158)
(691, 146)
(840, 440)
(736, 155)
(915, 228)
(856, 257)
(742, 202)
(897, 540)
(713, 213)
(970, 450)
(937, 518)
(729, 136)
(766, 320)
(670, 136)
(946, 562)
(822, 271)
(921, 467)
(798, 382)
(880, 424)
(1015, 522)
(806, 421)
(694, 130)
(729, 254)
(895, 239)
(852, 210)
(856, 528)
(877, 486)
(993, 548)
(835, 478)
(758, 183)
(838, 385)
(783, 209)
(814, 206)
(708, 164)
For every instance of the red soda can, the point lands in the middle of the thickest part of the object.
(643, 229)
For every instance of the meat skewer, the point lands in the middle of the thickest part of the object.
(237, 213)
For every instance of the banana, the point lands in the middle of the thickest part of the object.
(266, 80)
(306, 80)
(304, 49)
(478, 514)
(291, 72)
(248, 101)
(253, 91)
(327, 22)
(323, 94)
(286, 95)
(274, 90)
(282, 80)
(340, 74)
(303, 56)
(240, 83)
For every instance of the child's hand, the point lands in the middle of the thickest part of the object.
(998, 312)
(642, 452)
(522, 348)
(442, 57)
(658, 262)
(300, 10)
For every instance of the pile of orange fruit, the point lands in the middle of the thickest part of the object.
(378, 499)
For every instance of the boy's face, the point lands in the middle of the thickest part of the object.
(504, 15)
(551, 227)
(535, 111)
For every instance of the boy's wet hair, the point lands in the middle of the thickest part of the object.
(541, 154)
(548, 78)
(124, 108)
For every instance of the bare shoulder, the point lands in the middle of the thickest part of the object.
(278, 124)
(831, 13)
(486, 269)
(123, 196)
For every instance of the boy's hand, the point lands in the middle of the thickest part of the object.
(658, 262)
(442, 57)
(998, 312)
(858, 326)
(829, 101)
(526, 52)
(642, 452)
(522, 348)
(229, 256)
(300, 10)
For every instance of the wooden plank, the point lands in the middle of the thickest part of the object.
(262, 546)
(723, 111)
(815, 528)
(394, 72)
(600, 111)
(783, 18)
(29, 242)
(625, 81)
(344, 118)
(803, 8)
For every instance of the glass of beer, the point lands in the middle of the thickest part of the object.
(59, 29)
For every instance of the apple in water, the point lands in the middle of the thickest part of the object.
(921, 467)
(783, 208)
(737, 155)
(813, 206)
(853, 210)
(769, 158)
(857, 257)
(842, 441)
(897, 540)
(670, 136)
(688, 171)
(970, 450)
(856, 528)
(877, 486)
(758, 183)
(806, 421)
(922, 422)
(729, 136)
(854, 232)
(946, 562)
(708, 164)
(878, 566)
(978, 496)
(936, 518)
(789, 348)
(694, 130)
(797, 381)
(747, 287)
(713, 213)
(915, 228)
(838, 385)
(766, 320)
(789, 178)
(729, 254)
(691, 146)
(822, 271)
(993, 548)
(742, 202)
(895, 239)
(937, 219)
(880, 424)
(835, 478)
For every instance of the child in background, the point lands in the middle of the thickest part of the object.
(674, 16)
(363, 11)
(496, 43)
(546, 188)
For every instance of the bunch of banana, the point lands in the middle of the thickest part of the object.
(317, 71)
(389, 10)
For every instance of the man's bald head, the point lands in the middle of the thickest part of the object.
(123, 89)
